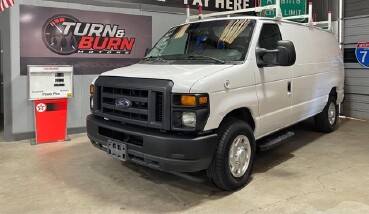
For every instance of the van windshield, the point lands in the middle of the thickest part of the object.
(218, 41)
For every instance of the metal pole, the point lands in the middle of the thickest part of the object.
(278, 11)
(188, 12)
(200, 10)
(341, 24)
(330, 21)
(310, 21)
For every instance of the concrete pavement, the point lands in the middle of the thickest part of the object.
(310, 173)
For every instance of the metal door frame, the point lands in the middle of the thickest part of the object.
(1, 81)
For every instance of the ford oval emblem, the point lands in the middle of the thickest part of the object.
(123, 103)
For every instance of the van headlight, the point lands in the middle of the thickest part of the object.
(189, 119)
(190, 112)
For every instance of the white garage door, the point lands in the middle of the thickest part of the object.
(356, 26)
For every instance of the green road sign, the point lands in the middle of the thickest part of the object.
(288, 7)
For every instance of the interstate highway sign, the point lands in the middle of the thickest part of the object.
(362, 53)
(288, 7)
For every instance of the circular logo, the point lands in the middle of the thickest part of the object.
(41, 107)
(123, 103)
(60, 38)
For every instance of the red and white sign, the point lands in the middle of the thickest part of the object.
(41, 107)
(92, 41)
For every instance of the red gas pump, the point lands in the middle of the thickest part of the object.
(50, 88)
(51, 120)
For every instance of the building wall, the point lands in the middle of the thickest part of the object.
(5, 29)
(354, 8)
(322, 7)
(356, 24)
(19, 115)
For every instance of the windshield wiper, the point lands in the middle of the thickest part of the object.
(205, 57)
(155, 59)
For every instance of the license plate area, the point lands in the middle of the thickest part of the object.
(117, 150)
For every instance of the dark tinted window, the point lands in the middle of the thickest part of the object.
(269, 36)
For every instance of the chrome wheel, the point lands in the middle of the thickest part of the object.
(332, 113)
(239, 156)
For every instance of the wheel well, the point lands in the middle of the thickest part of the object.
(333, 92)
(242, 114)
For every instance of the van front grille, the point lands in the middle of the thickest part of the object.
(138, 98)
(130, 103)
(159, 107)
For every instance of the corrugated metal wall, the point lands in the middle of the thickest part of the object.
(356, 22)
(356, 8)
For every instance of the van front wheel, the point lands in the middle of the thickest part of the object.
(326, 121)
(234, 157)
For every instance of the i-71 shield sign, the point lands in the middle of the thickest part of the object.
(288, 7)
(362, 53)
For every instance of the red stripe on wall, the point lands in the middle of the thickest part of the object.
(10, 2)
(1, 6)
(6, 4)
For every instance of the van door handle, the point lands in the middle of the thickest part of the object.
(289, 87)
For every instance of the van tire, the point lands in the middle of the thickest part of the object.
(327, 120)
(219, 170)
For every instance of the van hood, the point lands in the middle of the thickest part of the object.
(183, 76)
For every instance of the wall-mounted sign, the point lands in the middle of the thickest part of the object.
(65, 35)
(93, 42)
(50, 82)
(211, 5)
(288, 7)
(362, 53)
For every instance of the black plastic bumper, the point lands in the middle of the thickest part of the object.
(152, 148)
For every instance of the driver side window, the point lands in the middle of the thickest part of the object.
(269, 36)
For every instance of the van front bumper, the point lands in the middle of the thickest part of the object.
(155, 149)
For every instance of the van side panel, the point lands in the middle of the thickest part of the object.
(318, 69)
(241, 93)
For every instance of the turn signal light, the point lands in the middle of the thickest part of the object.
(92, 89)
(203, 100)
(188, 100)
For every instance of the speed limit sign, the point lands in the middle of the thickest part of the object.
(362, 53)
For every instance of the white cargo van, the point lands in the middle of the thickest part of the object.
(210, 91)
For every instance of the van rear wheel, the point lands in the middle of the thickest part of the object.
(234, 157)
(327, 120)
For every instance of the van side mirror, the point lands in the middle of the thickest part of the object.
(284, 55)
(148, 50)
